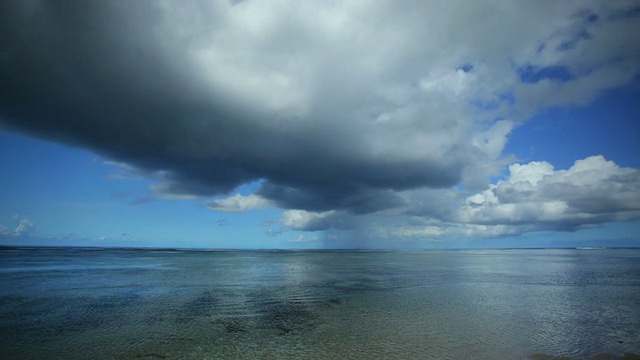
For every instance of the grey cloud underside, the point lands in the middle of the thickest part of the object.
(93, 74)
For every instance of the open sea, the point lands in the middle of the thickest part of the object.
(460, 304)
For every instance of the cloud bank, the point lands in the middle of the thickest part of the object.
(592, 191)
(340, 109)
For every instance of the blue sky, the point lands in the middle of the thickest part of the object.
(607, 126)
(75, 197)
(320, 125)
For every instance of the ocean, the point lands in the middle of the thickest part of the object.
(88, 303)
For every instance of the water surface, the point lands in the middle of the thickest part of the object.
(471, 304)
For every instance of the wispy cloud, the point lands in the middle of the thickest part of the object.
(238, 203)
(23, 227)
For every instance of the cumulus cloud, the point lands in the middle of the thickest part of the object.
(238, 203)
(535, 196)
(308, 221)
(340, 108)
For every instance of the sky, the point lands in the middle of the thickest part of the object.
(320, 124)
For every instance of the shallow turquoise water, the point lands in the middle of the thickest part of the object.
(475, 304)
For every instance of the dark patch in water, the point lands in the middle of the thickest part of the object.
(335, 301)
(267, 311)
(58, 317)
(203, 305)
(93, 312)
(151, 356)
(286, 317)
(235, 326)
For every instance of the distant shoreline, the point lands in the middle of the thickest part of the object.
(170, 249)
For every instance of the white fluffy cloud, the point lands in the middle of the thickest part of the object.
(535, 196)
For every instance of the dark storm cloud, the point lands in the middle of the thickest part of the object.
(86, 73)
(340, 109)
(97, 75)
